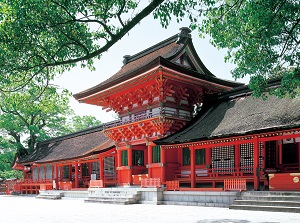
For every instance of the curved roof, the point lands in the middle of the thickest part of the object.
(239, 115)
(169, 49)
(76, 145)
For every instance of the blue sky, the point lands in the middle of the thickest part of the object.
(146, 34)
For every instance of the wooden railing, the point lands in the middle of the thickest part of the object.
(172, 185)
(185, 174)
(143, 116)
(96, 184)
(151, 182)
(29, 186)
(235, 184)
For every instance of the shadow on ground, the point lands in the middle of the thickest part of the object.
(230, 221)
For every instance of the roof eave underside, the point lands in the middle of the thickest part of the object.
(159, 61)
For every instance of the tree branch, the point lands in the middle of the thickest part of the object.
(145, 12)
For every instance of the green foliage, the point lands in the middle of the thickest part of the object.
(11, 174)
(262, 36)
(39, 38)
(78, 123)
(29, 116)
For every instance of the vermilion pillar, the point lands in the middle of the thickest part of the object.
(119, 158)
(280, 153)
(193, 163)
(101, 165)
(56, 170)
(237, 159)
(130, 165)
(208, 157)
(149, 159)
(163, 163)
(38, 170)
(76, 176)
(256, 169)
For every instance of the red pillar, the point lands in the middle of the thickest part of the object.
(76, 176)
(163, 163)
(193, 167)
(101, 165)
(237, 159)
(56, 173)
(38, 168)
(130, 165)
(61, 173)
(256, 169)
(149, 159)
(280, 153)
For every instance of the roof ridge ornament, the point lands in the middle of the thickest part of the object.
(126, 59)
(185, 33)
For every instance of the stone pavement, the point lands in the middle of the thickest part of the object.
(23, 209)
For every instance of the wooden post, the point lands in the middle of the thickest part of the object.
(101, 165)
(149, 159)
(208, 156)
(130, 165)
(193, 167)
(256, 169)
(237, 159)
(38, 170)
(163, 164)
(76, 175)
(119, 158)
(280, 153)
(56, 175)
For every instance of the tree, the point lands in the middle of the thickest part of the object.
(78, 123)
(7, 155)
(43, 37)
(262, 38)
(27, 117)
(31, 115)
(36, 35)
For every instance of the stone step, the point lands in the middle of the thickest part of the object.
(267, 203)
(114, 201)
(270, 198)
(115, 198)
(271, 193)
(48, 196)
(266, 208)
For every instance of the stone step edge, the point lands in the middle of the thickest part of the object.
(264, 207)
(278, 201)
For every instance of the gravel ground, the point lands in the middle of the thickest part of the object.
(24, 209)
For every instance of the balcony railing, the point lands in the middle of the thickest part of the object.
(143, 116)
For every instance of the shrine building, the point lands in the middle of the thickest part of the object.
(178, 122)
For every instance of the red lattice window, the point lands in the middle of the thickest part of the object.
(246, 154)
(223, 159)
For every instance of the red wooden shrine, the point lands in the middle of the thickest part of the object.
(177, 123)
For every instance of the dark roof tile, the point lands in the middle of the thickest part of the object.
(69, 147)
(238, 116)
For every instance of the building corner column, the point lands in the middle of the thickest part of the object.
(256, 169)
(193, 167)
